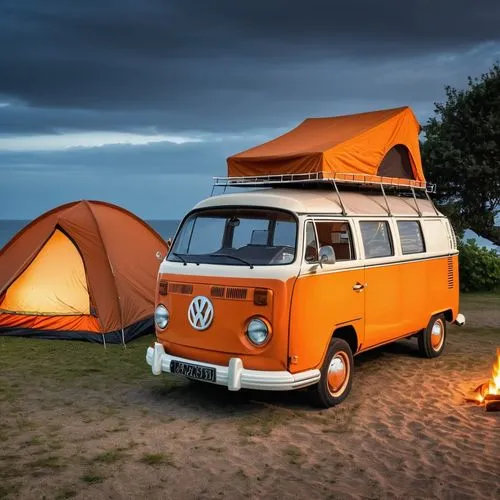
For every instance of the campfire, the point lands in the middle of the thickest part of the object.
(489, 392)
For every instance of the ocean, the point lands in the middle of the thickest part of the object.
(8, 228)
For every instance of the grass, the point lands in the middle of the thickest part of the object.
(43, 465)
(72, 363)
(108, 457)
(157, 459)
(90, 478)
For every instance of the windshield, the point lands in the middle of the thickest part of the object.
(239, 237)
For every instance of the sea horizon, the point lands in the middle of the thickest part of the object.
(166, 228)
(10, 227)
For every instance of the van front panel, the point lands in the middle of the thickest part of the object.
(233, 305)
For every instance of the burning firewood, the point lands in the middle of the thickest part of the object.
(489, 392)
(493, 405)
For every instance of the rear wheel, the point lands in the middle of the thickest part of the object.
(432, 340)
(336, 375)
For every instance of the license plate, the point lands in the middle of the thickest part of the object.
(192, 371)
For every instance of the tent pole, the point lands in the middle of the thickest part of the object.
(433, 206)
(416, 203)
(386, 200)
(123, 338)
(104, 341)
(344, 213)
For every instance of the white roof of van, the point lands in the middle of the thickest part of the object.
(305, 201)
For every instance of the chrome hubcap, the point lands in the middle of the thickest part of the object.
(338, 374)
(437, 335)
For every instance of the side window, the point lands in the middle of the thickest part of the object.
(338, 236)
(311, 245)
(410, 234)
(376, 239)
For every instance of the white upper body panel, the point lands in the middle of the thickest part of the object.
(324, 201)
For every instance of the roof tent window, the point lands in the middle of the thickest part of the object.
(377, 240)
(410, 234)
(396, 163)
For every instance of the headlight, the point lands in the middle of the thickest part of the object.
(161, 317)
(257, 332)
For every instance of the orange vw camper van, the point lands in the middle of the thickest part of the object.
(338, 250)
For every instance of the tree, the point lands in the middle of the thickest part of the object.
(461, 154)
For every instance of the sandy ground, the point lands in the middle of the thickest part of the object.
(405, 431)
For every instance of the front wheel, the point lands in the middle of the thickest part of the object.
(432, 340)
(336, 375)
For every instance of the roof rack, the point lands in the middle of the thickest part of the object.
(326, 179)
(321, 178)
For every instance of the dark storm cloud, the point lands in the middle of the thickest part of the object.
(231, 72)
(152, 159)
(216, 65)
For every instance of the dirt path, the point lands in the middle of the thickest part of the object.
(108, 429)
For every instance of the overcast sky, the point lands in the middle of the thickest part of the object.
(139, 102)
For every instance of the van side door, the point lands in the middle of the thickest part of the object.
(326, 296)
(384, 287)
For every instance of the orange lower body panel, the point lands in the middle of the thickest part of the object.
(85, 323)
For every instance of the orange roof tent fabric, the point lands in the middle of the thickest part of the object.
(85, 270)
(339, 146)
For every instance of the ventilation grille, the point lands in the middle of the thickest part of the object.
(217, 291)
(163, 287)
(451, 279)
(180, 288)
(236, 293)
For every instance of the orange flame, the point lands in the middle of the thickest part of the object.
(493, 385)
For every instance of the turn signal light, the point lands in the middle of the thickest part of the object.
(163, 288)
(260, 297)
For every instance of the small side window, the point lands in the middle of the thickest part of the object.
(311, 244)
(338, 236)
(410, 234)
(377, 240)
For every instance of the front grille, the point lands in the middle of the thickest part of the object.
(180, 288)
(236, 293)
(451, 278)
(217, 291)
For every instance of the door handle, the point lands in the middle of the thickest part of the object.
(358, 287)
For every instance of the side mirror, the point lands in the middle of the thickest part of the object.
(327, 255)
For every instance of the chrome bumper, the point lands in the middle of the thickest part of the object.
(234, 376)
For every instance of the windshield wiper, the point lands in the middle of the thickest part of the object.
(178, 255)
(231, 257)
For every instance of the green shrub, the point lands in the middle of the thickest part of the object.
(479, 268)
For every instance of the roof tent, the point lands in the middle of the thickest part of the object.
(373, 147)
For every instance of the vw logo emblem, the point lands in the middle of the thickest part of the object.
(200, 313)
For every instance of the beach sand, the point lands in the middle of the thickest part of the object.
(404, 432)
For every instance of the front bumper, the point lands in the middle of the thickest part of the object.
(234, 376)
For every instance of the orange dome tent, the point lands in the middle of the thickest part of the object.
(86, 270)
(359, 147)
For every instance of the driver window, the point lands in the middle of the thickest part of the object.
(338, 236)
(311, 244)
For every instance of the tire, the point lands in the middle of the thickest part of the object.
(432, 340)
(336, 375)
